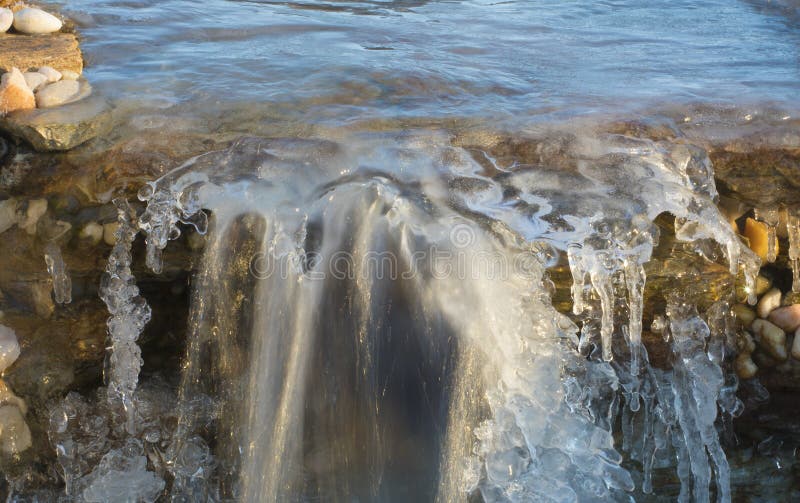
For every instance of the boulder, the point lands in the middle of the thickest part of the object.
(61, 128)
(60, 51)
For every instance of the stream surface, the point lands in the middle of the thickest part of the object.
(338, 62)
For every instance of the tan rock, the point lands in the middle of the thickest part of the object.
(59, 50)
(70, 75)
(15, 93)
(787, 317)
(756, 234)
(796, 345)
(769, 301)
(92, 232)
(771, 339)
(109, 231)
(744, 366)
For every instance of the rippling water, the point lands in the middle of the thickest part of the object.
(339, 61)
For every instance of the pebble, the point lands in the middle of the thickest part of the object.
(51, 73)
(36, 208)
(15, 93)
(745, 314)
(6, 19)
(8, 214)
(768, 302)
(796, 345)
(93, 232)
(34, 21)
(58, 93)
(35, 80)
(745, 366)
(763, 284)
(771, 339)
(9, 348)
(788, 317)
(15, 436)
(70, 75)
(7, 397)
(109, 230)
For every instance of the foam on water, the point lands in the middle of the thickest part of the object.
(352, 288)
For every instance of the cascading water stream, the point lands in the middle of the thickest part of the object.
(374, 318)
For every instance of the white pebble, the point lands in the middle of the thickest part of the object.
(35, 21)
(92, 232)
(6, 19)
(69, 75)
(51, 73)
(58, 93)
(35, 80)
(770, 301)
(9, 348)
(15, 436)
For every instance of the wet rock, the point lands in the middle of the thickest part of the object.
(771, 339)
(15, 436)
(58, 93)
(787, 317)
(770, 301)
(756, 234)
(9, 347)
(15, 93)
(6, 19)
(8, 214)
(61, 128)
(35, 80)
(745, 314)
(7, 397)
(36, 208)
(34, 21)
(745, 366)
(50, 73)
(70, 75)
(60, 51)
(109, 231)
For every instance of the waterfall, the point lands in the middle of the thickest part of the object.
(373, 319)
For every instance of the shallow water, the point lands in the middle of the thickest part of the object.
(336, 62)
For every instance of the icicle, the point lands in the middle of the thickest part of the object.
(62, 284)
(129, 314)
(770, 217)
(793, 230)
(602, 284)
(635, 280)
(578, 277)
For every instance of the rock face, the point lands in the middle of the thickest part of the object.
(58, 93)
(6, 18)
(60, 128)
(59, 51)
(35, 21)
(15, 93)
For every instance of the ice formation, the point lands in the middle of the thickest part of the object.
(62, 284)
(406, 246)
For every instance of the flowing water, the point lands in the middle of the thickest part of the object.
(373, 317)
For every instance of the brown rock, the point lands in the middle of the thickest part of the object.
(15, 93)
(59, 50)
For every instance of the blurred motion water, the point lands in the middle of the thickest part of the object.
(327, 61)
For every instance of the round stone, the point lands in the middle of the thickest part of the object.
(34, 21)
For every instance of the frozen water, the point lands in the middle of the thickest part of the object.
(331, 266)
(551, 411)
(62, 284)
